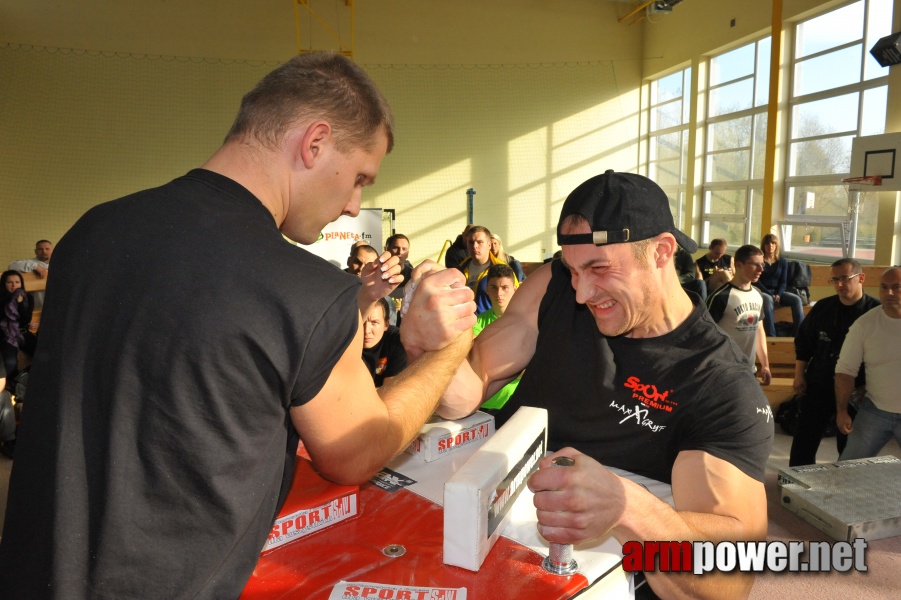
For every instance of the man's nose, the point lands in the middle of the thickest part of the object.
(585, 291)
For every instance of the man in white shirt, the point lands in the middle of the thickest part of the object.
(874, 340)
(736, 308)
(39, 264)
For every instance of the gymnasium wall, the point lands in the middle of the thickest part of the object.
(519, 100)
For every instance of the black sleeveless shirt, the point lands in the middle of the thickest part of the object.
(636, 403)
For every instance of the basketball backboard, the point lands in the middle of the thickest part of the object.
(878, 155)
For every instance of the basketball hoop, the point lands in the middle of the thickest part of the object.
(873, 180)
(856, 187)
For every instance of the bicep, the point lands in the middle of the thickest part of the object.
(706, 485)
(335, 424)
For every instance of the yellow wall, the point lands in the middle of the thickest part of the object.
(520, 100)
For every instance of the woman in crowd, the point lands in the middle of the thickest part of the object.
(772, 284)
(16, 307)
(497, 249)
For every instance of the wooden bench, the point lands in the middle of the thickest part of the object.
(781, 353)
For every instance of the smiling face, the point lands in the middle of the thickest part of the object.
(614, 284)
(374, 326)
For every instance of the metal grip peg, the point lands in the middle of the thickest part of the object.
(559, 560)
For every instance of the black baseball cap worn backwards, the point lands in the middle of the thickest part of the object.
(620, 207)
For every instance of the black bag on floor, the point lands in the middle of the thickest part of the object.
(787, 415)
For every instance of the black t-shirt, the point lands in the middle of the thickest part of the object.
(179, 328)
(708, 267)
(387, 358)
(636, 403)
(821, 335)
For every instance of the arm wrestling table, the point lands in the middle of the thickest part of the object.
(392, 548)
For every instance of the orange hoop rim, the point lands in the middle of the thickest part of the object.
(870, 180)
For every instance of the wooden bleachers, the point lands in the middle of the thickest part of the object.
(781, 353)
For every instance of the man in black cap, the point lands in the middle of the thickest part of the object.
(634, 376)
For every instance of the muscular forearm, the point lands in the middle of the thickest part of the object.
(413, 395)
(463, 395)
(657, 521)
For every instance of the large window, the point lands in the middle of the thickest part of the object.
(668, 121)
(838, 91)
(737, 95)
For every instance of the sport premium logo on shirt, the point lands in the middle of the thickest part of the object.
(649, 395)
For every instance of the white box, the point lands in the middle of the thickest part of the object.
(438, 438)
(479, 496)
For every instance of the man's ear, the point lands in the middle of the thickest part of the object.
(665, 248)
(313, 142)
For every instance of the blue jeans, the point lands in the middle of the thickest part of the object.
(871, 431)
(786, 299)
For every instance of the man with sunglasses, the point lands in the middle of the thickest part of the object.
(817, 348)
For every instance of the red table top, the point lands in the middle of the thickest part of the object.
(310, 567)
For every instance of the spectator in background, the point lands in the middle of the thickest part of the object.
(497, 248)
(39, 265)
(716, 267)
(817, 347)
(383, 351)
(476, 266)
(399, 245)
(501, 287)
(365, 263)
(772, 287)
(688, 273)
(360, 255)
(873, 341)
(459, 250)
(736, 307)
(16, 308)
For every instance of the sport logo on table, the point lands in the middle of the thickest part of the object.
(348, 590)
